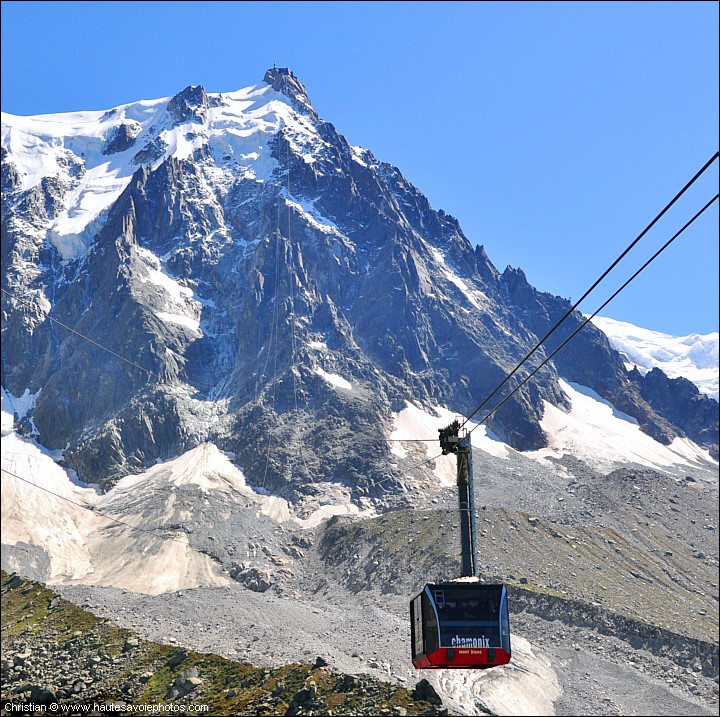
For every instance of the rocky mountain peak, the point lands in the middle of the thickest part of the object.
(283, 80)
(190, 105)
(275, 283)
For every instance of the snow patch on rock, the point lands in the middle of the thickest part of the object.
(334, 379)
(594, 430)
(416, 426)
(694, 357)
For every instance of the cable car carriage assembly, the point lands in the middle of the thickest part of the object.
(462, 623)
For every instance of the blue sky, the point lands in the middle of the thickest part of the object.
(553, 131)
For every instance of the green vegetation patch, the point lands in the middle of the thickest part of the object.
(63, 646)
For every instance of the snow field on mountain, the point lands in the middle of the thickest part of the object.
(86, 547)
(180, 305)
(475, 297)
(54, 145)
(39, 145)
(313, 217)
(334, 379)
(41, 518)
(694, 357)
(593, 430)
(16, 405)
(45, 516)
(89, 548)
(597, 432)
(237, 131)
(414, 423)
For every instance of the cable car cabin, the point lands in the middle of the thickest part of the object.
(460, 625)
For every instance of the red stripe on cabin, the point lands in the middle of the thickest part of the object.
(461, 657)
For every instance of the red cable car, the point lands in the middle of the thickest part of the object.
(462, 623)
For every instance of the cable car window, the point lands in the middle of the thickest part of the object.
(469, 617)
(504, 624)
(431, 634)
(417, 626)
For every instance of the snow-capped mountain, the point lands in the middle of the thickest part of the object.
(286, 323)
(90, 157)
(694, 357)
(275, 292)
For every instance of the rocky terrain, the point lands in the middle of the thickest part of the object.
(55, 653)
(613, 588)
(570, 655)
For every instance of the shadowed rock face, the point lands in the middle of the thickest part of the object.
(190, 105)
(120, 139)
(252, 306)
(679, 401)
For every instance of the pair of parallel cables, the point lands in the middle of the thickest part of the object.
(560, 321)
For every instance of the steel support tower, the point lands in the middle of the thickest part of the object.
(452, 442)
